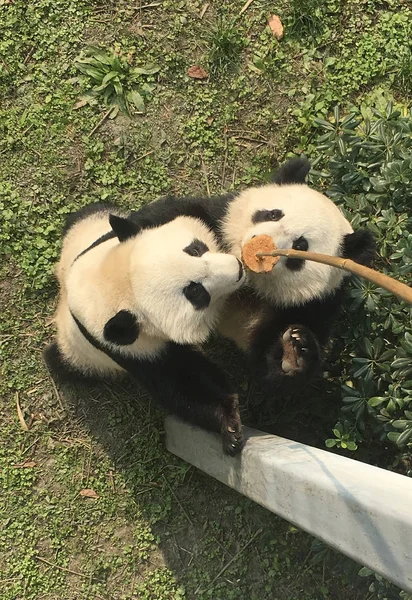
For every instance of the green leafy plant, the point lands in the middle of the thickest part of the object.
(366, 166)
(111, 79)
(344, 437)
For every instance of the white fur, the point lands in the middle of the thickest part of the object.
(306, 213)
(144, 275)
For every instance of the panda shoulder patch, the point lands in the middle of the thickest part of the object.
(122, 329)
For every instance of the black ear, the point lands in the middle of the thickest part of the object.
(293, 171)
(123, 228)
(360, 246)
(122, 329)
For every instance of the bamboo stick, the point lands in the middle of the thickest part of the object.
(402, 291)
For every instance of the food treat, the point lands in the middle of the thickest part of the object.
(259, 264)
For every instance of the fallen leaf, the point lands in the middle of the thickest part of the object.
(276, 26)
(80, 104)
(25, 465)
(197, 72)
(88, 493)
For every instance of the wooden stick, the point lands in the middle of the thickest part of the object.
(402, 291)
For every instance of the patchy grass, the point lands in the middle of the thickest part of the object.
(158, 529)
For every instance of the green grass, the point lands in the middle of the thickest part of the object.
(159, 529)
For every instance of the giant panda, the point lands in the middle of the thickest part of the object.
(283, 319)
(135, 297)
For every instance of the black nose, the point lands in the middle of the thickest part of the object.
(240, 270)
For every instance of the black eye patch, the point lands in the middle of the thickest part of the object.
(295, 264)
(263, 216)
(196, 248)
(197, 295)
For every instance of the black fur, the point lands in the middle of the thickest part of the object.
(123, 228)
(209, 210)
(359, 246)
(186, 384)
(293, 171)
(122, 329)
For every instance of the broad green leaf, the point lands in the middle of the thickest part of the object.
(376, 400)
(135, 98)
(147, 70)
(404, 438)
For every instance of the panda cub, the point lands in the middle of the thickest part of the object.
(283, 319)
(135, 296)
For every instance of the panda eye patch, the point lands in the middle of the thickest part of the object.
(296, 264)
(264, 216)
(196, 248)
(300, 243)
(197, 295)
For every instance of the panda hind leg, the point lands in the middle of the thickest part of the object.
(58, 367)
(300, 351)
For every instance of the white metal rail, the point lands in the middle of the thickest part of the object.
(360, 510)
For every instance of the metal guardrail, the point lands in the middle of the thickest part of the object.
(363, 511)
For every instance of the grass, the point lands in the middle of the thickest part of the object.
(158, 529)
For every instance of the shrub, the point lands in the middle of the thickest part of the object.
(365, 163)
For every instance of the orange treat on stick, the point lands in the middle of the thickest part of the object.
(259, 264)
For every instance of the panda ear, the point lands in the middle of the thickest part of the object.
(293, 171)
(123, 228)
(360, 246)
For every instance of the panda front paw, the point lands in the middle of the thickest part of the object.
(231, 430)
(300, 350)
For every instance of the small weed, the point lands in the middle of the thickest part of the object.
(403, 74)
(307, 18)
(114, 81)
(226, 44)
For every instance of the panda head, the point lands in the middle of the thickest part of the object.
(295, 216)
(179, 278)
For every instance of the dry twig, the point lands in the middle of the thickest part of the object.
(245, 7)
(20, 413)
(232, 560)
(47, 562)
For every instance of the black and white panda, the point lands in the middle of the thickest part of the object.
(136, 296)
(282, 319)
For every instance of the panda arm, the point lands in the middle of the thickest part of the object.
(188, 385)
(286, 344)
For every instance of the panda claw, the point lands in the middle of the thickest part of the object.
(287, 336)
(304, 349)
(296, 336)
